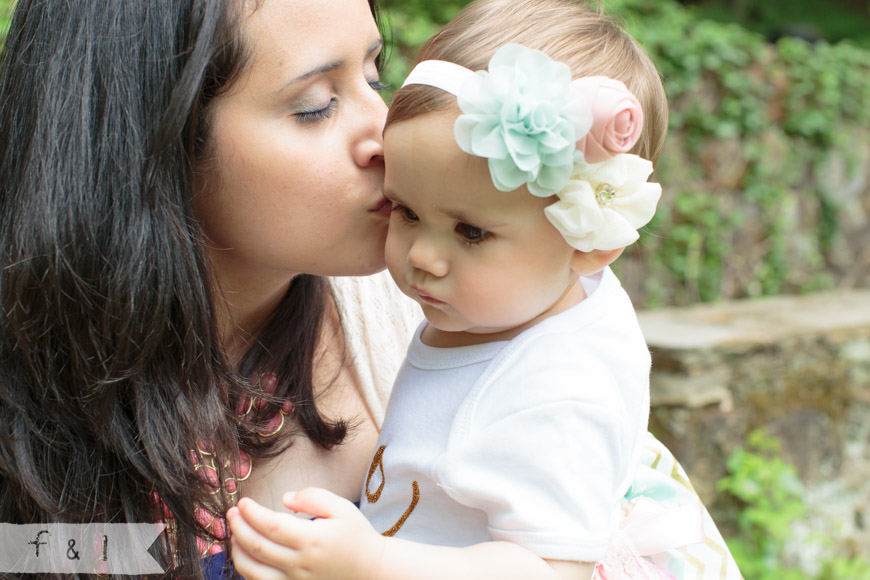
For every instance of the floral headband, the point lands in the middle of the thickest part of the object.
(539, 128)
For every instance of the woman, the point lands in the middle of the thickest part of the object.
(168, 169)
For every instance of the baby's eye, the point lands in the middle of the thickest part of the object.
(471, 234)
(405, 213)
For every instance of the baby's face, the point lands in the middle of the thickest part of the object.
(481, 262)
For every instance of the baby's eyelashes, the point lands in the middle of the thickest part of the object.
(405, 212)
(471, 234)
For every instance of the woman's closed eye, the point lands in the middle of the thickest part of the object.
(405, 213)
(378, 85)
(318, 114)
(471, 234)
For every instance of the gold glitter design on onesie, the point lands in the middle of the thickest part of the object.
(378, 464)
(392, 531)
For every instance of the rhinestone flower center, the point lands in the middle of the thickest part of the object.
(604, 194)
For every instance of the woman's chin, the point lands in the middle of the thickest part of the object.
(363, 267)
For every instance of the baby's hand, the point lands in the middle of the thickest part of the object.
(339, 545)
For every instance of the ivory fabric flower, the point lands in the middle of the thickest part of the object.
(618, 118)
(603, 204)
(523, 115)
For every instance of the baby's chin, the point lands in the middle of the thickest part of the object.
(447, 333)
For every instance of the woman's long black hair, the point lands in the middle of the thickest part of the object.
(111, 370)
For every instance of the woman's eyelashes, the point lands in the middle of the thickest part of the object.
(319, 114)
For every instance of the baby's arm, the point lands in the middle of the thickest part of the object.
(342, 545)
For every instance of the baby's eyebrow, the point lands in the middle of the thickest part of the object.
(391, 196)
(471, 220)
(459, 216)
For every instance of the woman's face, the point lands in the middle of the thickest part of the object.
(294, 182)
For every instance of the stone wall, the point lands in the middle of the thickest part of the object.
(798, 366)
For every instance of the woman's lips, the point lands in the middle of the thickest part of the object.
(383, 209)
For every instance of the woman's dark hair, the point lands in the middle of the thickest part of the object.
(111, 371)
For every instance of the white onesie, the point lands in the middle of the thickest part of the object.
(532, 441)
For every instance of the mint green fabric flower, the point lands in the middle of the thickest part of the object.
(523, 115)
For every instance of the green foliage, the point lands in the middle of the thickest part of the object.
(776, 114)
(835, 22)
(409, 23)
(770, 492)
(5, 17)
(827, 84)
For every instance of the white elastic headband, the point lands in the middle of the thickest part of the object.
(447, 76)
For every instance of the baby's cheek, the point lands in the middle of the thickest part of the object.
(488, 296)
(395, 251)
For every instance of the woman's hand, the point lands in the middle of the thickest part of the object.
(339, 544)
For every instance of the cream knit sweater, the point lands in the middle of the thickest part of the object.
(378, 322)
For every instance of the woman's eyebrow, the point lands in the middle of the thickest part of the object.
(374, 47)
(314, 72)
(330, 66)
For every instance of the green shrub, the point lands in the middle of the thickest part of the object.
(5, 17)
(777, 116)
(409, 23)
(770, 494)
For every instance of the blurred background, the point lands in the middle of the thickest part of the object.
(753, 280)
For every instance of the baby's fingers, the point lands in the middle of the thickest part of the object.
(320, 503)
(279, 527)
(261, 537)
(251, 569)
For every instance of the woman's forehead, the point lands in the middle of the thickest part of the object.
(308, 33)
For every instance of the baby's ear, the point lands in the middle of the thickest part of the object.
(588, 263)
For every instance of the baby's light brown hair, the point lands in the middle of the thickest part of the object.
(577, 33)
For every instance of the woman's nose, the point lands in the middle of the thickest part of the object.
(369, 148)
(424, 256)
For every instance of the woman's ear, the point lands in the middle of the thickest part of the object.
(588, 263)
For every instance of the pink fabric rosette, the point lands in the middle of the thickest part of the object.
(617, 118)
